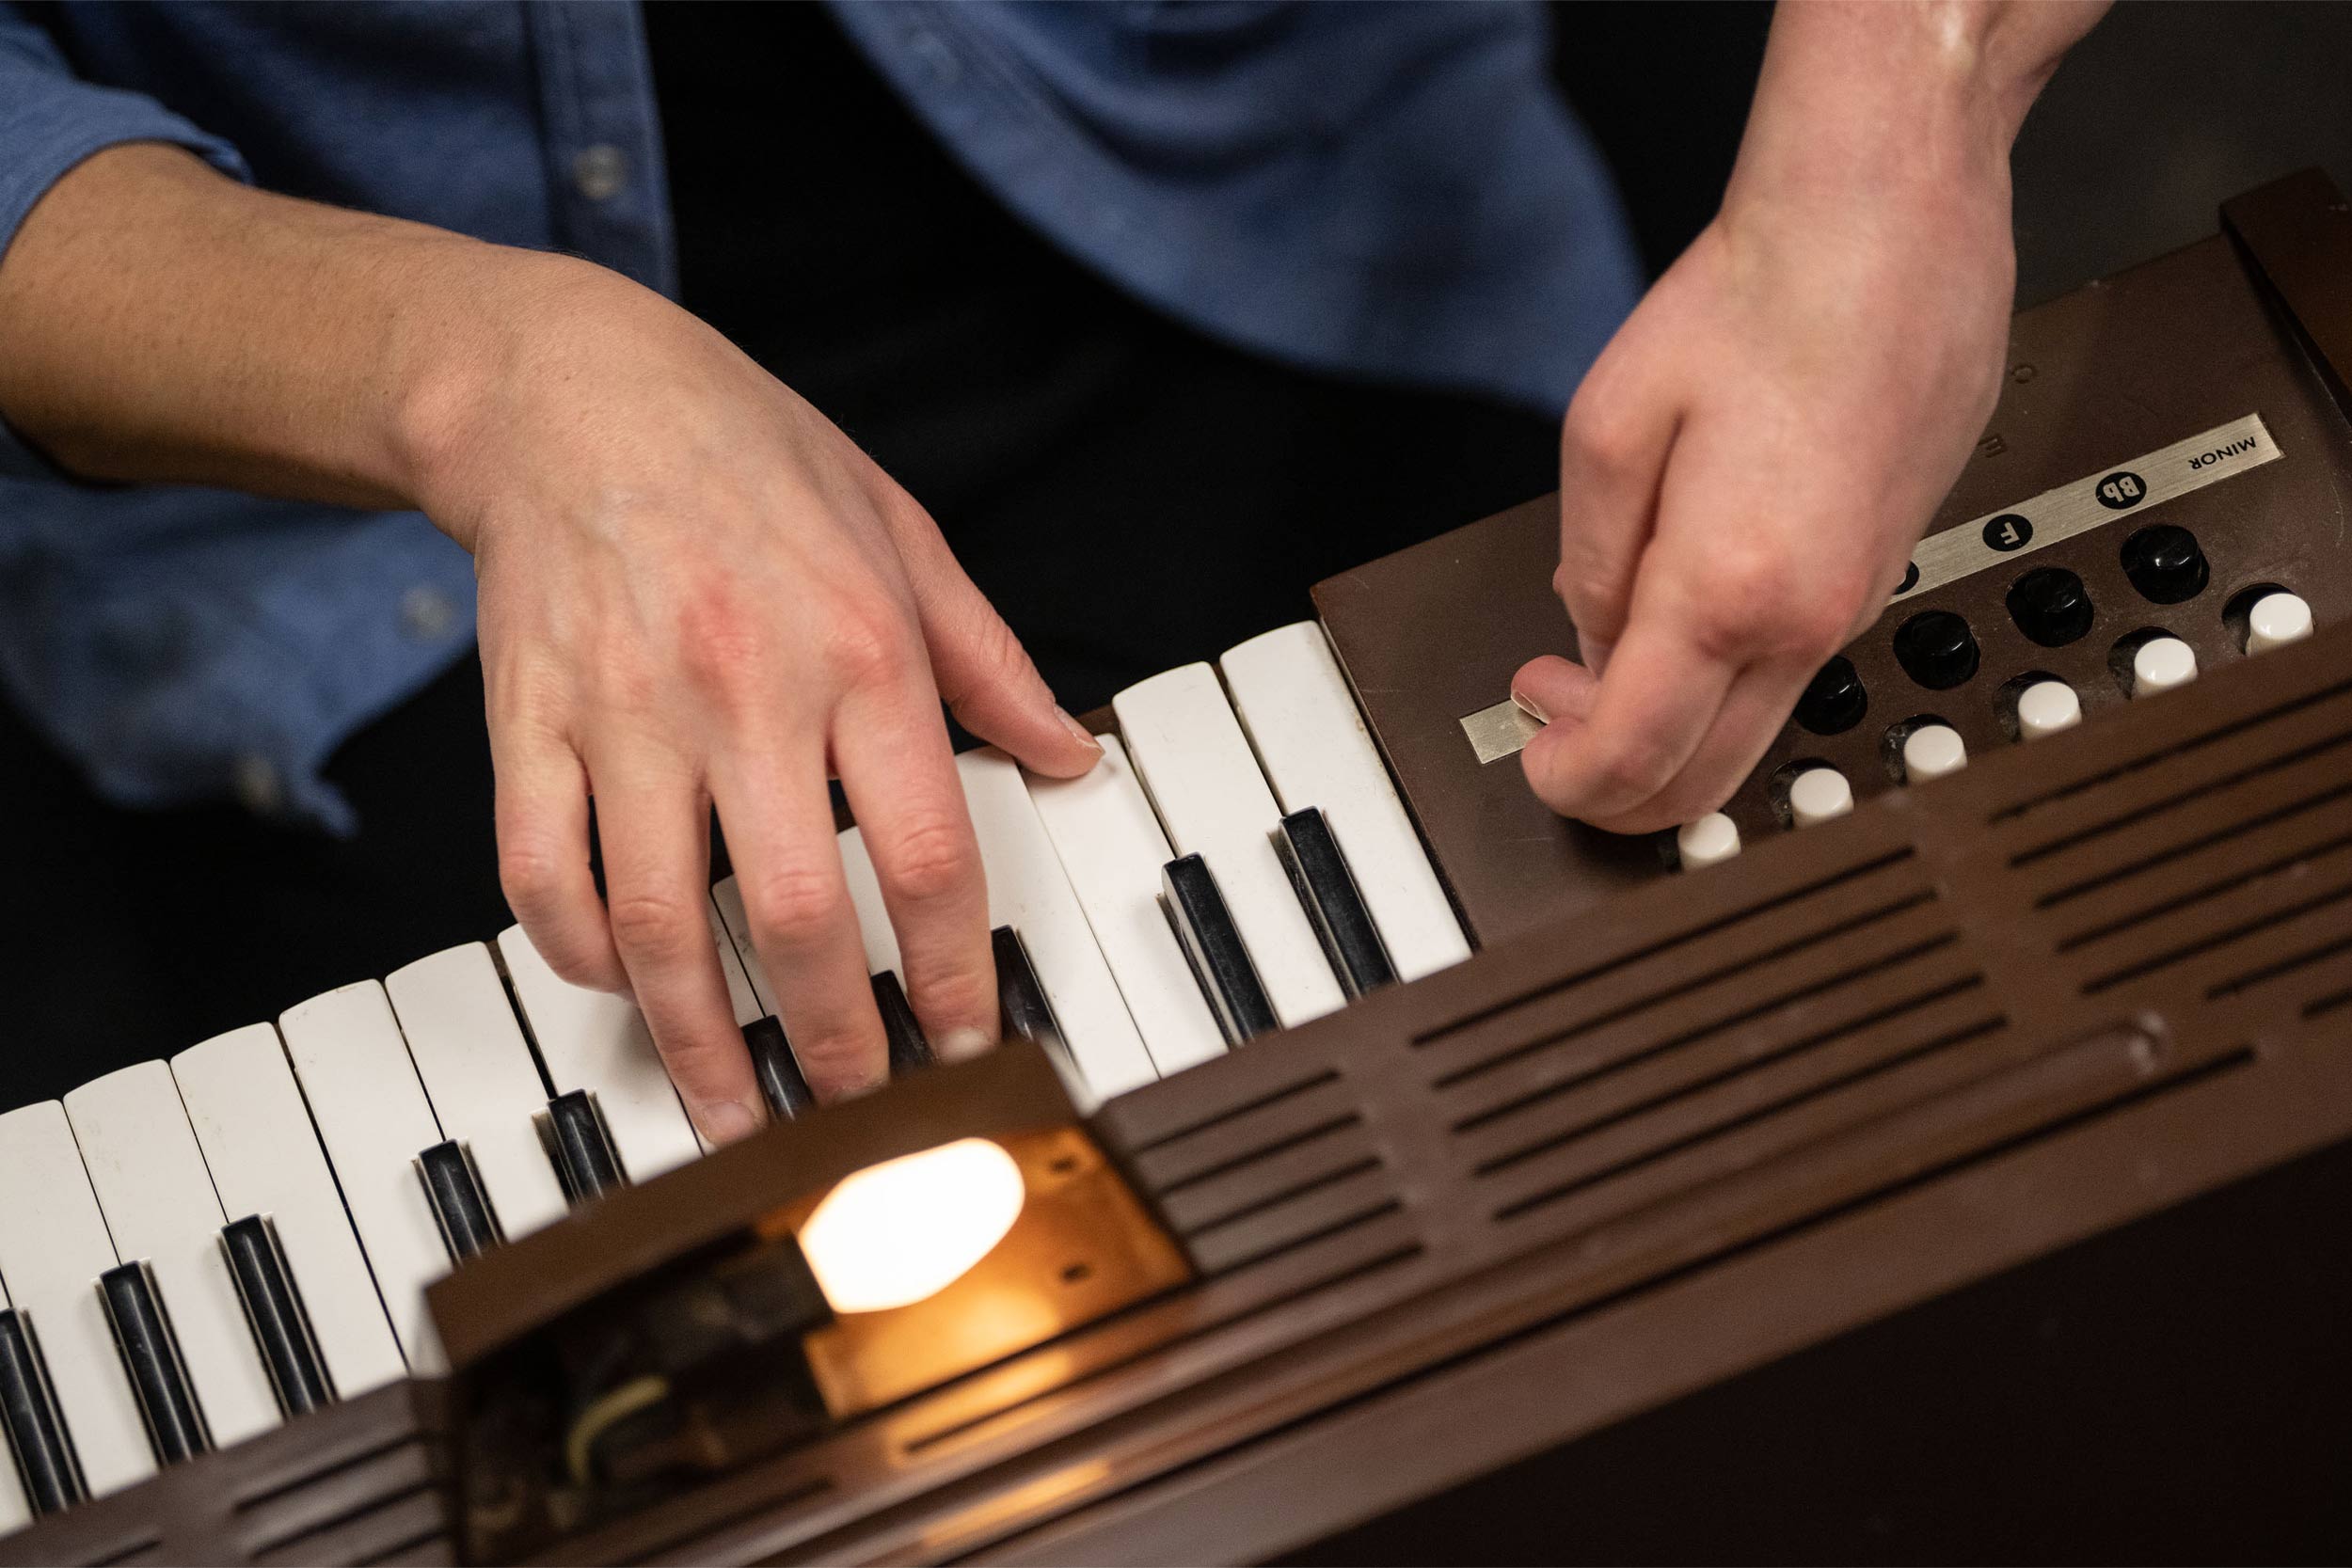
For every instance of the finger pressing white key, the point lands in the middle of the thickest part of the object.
(374, 1120)
(265, 1158)
(1028, 890)
(478, 1074)
(1294, 700)
(1194, 762)
(53, 1248)
(1112, 849)
(596, 1041)
(150, 1181)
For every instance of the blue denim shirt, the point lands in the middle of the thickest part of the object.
(1384, 190)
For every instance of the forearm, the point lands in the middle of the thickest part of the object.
(159, 321)
(1863, 96)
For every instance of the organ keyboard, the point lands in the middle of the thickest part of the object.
(2003, 989)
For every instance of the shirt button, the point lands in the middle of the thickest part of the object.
(426, 614)
(257, 785)
(600, 172)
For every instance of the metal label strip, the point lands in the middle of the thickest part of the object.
(2138, 484)
(2141, 483)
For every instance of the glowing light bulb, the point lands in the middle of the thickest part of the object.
(893, 1233)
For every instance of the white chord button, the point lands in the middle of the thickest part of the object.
(1294, 700)
(1708, 841)
(1112, 849)
(53, 1248)
(1932, 750)
(2276, 620)
(1818, 794)
(150, 1178)
(265, 1158)
(2046, 707)
(594, 1041)
(480, 1077)
(372, 1115)
(1028, 890)
(2162, 664)
(1197, 766)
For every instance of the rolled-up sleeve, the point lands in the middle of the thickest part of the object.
(50, 121)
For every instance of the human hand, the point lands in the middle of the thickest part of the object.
(1745, 470)
(696, 592)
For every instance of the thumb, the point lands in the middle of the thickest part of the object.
(987, 680)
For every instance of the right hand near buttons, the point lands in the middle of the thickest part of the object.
(1745, 470)
(696, 592)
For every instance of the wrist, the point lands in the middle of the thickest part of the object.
(1912, 107)
(491, 321)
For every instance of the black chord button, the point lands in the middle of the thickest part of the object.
(2164, 564)
(2051, 606)
(1836, 701)
(1936, 649)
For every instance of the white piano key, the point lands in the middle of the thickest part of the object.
(865, 899)
(726, 903)
(1294, 703)
(594, 1041)
(374, 1120)
(53, 1248)
(479, 1076)
(746, 1001)
(1112, 849)
(1195, 764)
(1028, 890)
(264, 1158)
(158, 1197)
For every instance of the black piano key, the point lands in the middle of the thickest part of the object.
(1213, 942)
(462, 1210)
(275, 1313)
(582, 1146)
(1022, 1006)
(778, 1071)
(46, 1459)
(1335, 905)
(909, 1050)
(151, 1354)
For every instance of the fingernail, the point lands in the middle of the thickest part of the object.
(1527, 705)
(962, 1045)
(1085, 737)
(723, 1121)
